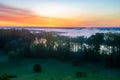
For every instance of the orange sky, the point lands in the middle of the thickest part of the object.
(38, 21)
(13, 16)
(34, 20)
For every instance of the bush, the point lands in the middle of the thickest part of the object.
(80, 74)
(7, 76)
(37, 68)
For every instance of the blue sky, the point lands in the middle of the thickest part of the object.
(81, 6)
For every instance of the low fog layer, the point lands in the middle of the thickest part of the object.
(70, 32)
(76, 32)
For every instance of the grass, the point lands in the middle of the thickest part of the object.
(57, 70)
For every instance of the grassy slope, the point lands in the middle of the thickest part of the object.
(56, 70)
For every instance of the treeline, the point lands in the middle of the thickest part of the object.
(101, 48)
(15, 42)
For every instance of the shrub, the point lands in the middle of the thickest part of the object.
(7, 76)
(37, 68)
(80, 74)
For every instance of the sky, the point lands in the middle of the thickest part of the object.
(60, 13)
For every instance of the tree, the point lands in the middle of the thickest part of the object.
(94, 43)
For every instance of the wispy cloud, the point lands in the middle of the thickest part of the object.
(15, 15)
(6, 8)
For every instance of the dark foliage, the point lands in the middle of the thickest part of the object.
(37, 68)
(21, 43)
(80, 74)
(7, 76)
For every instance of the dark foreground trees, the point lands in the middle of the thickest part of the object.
(101, 47)
(15, 41)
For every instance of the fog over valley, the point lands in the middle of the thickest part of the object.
(70, 32)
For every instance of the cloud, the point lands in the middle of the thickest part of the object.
(10, 9)
(13, 15)
(9, 13)
(4, 9)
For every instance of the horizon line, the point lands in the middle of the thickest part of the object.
(58, 27)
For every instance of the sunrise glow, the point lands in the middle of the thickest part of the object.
(60, 13)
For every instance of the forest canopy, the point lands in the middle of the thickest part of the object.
(98, 48)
